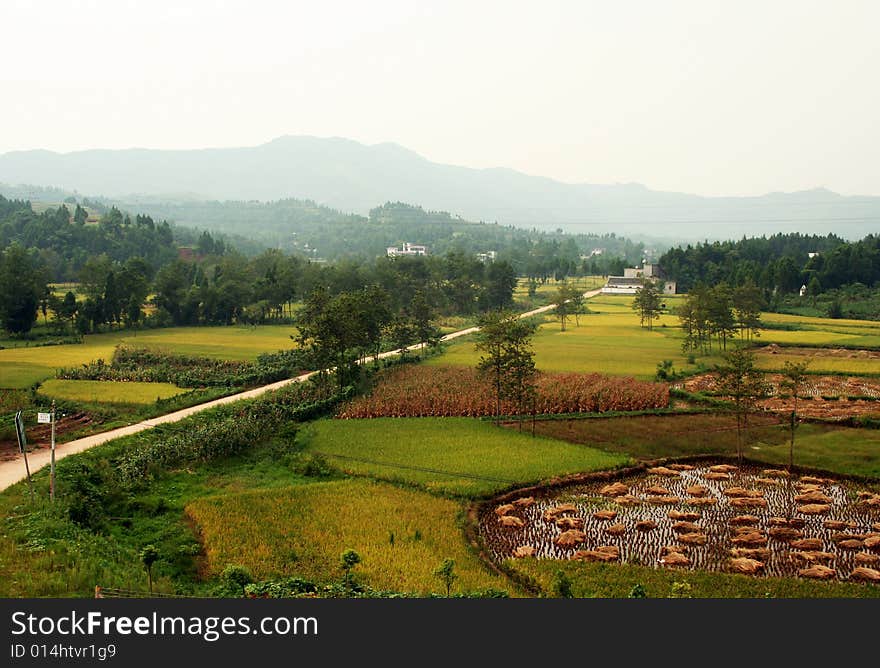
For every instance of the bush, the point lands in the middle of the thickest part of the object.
(562, 585)
(236, 578)
(638, 591)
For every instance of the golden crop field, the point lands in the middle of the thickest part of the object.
(21, 367)
(610, 340)
(401, 535)
(108, 392)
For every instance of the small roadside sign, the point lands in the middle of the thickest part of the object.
(44, 418)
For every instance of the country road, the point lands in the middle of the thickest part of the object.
(13, 471)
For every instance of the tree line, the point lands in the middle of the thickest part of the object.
(779, 264)
(64, 242)
(313, 231)
(232, 288)
(715, 315)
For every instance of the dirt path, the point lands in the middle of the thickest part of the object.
(13, 471)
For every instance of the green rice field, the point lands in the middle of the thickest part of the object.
(460, 456)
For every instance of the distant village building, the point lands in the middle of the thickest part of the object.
(812, 255)
(488, 256)
(802, 291)
(407, 249)
(632, 280)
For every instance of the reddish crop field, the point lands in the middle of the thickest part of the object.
(425, 391)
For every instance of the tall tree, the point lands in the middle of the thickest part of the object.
(22, 283)
(720, 310)
(794, 377)
(507, 359)
(747, 304)
(647, 303)
(500, 282)
(566, 302)
(743, 382)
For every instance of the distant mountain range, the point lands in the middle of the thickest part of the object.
(354, 177)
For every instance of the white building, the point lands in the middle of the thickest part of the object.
(488, 256)
(633, 278)
(407, 249)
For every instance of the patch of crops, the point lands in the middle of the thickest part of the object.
(458, 456)
(813, 386)
(829, 397)
(223, 431)
(105, 391)
(430, 391)
(401, 535)
(151, 366)
(699, 517)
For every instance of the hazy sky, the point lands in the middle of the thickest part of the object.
(710, 97)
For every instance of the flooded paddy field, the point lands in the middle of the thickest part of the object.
(706, 515)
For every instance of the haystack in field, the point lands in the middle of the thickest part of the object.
(806, 544)
(746, 565)
(743, 520)
(511, 521)
(614, 489)
(570, 523)
(616, 529)
(664, 471)
(818, 572)
(570, 538)
(524, 551)
(864, 574)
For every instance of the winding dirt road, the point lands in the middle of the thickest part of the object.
(13, 471)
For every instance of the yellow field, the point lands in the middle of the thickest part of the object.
(22, 367)
(303, 530)
(550, 288)
(610, 340)
(108, 392)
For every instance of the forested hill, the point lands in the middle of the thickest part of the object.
(302, 226)
(781, 263)
(354, 177)
(65, 240)
(66, 236)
